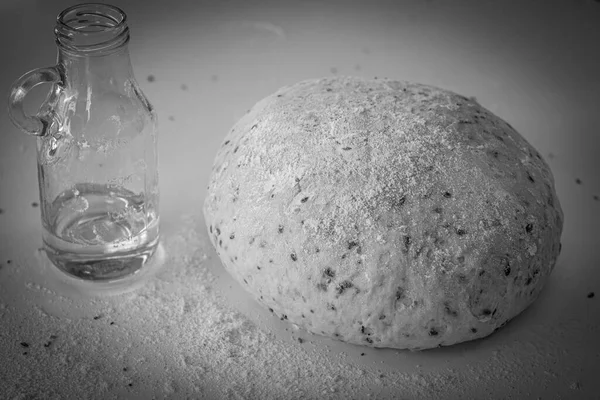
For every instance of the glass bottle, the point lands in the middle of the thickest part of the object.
(97, 150)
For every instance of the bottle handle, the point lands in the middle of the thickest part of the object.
(36, 125)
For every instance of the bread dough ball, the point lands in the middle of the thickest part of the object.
(383, 213)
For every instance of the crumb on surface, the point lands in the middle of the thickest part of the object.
(575, 386)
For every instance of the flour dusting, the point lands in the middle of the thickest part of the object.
(179, 337)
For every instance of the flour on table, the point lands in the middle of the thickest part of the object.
(177, 337)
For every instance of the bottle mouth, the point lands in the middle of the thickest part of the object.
(91, 28)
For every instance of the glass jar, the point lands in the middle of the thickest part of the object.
(97, 150)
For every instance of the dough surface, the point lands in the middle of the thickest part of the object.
(383, 213)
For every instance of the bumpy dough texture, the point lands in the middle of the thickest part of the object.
(383, 213)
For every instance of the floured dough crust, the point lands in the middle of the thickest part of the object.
(383, 213)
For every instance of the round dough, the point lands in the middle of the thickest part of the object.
(383, 213)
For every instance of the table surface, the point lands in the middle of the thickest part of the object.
(187, 330)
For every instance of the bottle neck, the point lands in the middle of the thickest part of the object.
(92, 44)
(113, 68)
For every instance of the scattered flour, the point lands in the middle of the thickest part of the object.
(179, 337)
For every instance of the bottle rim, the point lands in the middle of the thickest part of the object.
(91, 28)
